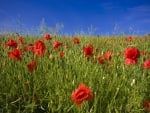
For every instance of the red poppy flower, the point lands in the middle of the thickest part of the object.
(12, 43)
(81, 94)
(146, 64)
(61, 54)
(146, 105)
(132, 53)
(56, 45)
(15, 54)
(129, 61)
(32, 66)
(101, 59)
(76, 40)
(47, 36)
(129, 39)
(39, 48)
(88, 50)
(108, 55)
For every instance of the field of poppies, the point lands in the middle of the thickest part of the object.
(50, 74)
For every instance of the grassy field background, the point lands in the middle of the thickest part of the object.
(116, 87)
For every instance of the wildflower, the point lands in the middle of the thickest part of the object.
(47, 36)
(146, 64)
(76, 40)
(32, 66)
(129, 61)
(131, 53)
(56, 45)
(81, 94)
(39, 48)
(101, 59)
(133, 82)
(103, 77)
(146, 105)
(108, 55)
(88, 50)
(15, 54)
(61, 54)
(12, 43)
(129, 38)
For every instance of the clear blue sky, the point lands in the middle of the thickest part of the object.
(105, 16)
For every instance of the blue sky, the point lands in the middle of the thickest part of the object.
(104, 17)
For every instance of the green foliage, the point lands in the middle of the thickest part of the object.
(48, 88)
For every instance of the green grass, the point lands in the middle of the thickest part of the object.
(48, 88)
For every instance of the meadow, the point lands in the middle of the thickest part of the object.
(50, 74)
